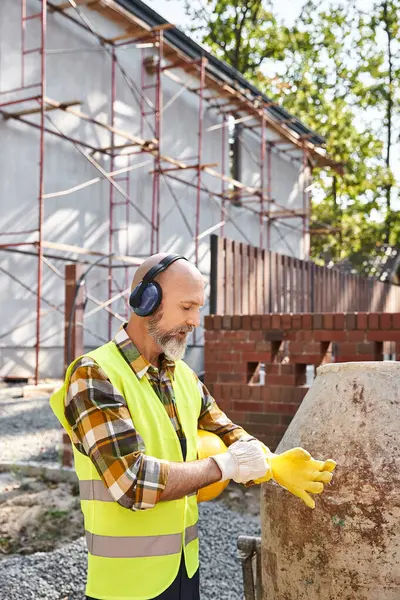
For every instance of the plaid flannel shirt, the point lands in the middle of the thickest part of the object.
(103, 430)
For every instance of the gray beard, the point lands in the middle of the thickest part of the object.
(173, 348)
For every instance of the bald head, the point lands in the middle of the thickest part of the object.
(180, 269)
(146, 266)
(167, 327)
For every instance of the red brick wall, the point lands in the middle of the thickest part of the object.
(286, 343)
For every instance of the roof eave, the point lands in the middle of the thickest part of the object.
(227, 74)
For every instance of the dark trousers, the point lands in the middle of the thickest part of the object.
(182, 588)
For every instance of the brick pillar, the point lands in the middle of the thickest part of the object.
(72, 276)
(73, 334)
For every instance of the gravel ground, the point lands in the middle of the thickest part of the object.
(29, 431)
(60, 575)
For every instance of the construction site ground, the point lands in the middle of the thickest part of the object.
(36, 513)
(39, 516)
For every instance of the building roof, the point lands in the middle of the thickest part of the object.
(219, 69)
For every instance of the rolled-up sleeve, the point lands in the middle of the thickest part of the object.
(103, 430)
(213, 419)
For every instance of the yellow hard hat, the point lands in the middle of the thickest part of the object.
(209, 444)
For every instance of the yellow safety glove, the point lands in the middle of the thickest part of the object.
(299, 473)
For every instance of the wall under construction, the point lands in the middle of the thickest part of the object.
(290, 346)
(116, 143)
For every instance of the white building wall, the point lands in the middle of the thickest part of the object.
(78, 69)
(287, 183)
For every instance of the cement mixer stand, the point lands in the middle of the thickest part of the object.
(250, 556)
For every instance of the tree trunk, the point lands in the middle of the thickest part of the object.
(389, 111)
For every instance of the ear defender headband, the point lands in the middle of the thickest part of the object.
(146, 297)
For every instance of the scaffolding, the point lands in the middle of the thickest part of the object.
(233, 105)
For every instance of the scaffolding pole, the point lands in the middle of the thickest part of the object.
(269, 191)
(157, 113)
(262, 183)
(158, 133)
(203, 63)
(223, 159)
(168, 61)
(42, 16)
(111, 187)
(306, 207)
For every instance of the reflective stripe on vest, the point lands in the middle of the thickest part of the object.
(94, 489)
(191, 533)
(138, 547)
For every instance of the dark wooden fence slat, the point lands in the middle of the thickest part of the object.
(228, 278)
(248, 280)
(267, 282)
(245, 275)
(238, 285)
(273, 282)
(278, 274)
(252, 280)
(260, 281)
(290, 290)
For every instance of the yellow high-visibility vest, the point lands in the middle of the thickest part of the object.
(135, 555)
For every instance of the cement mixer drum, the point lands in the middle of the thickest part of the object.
(348, 548)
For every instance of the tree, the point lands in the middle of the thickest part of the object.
(333, 72)
(243, 33)
(327, 92)
(379, 57)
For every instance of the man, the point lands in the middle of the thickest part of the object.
(132, 409)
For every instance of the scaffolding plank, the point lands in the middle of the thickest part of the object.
(132, 32)
(77, 113)
(80, 250)
(132, 35)
(66, 5)
(185, 167)
(116, 13)
(37, 109)
(228, 179)
(286, 214)
(182, 64)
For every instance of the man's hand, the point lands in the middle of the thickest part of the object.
(244, 461)
(299, 473)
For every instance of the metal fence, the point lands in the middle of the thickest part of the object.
(249, 280)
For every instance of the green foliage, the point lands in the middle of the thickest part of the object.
(338, 70)
(242, 33)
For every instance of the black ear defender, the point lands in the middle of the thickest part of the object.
(147, 295)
